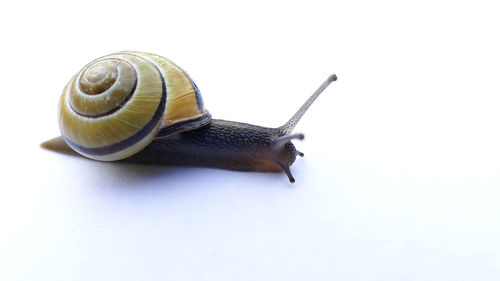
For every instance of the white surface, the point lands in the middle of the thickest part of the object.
(400, 179)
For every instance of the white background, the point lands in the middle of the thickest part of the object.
(400, 179)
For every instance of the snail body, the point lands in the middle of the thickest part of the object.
(142, 108)
(222, 144)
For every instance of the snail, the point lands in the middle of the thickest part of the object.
(142, 108)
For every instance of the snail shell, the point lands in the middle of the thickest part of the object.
(117, 104)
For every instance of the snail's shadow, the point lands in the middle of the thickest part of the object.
(138, 175)
(121, 174)
(134, 175)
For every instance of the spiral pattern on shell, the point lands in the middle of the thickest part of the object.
(117, 104)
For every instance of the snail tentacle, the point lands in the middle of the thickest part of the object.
(288, 127)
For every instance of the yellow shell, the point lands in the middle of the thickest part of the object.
(117, 104)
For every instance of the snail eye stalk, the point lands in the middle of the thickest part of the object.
(285, 131)
(288, 127)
